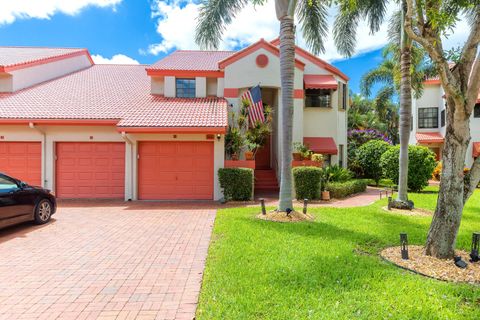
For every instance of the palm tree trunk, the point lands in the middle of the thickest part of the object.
(287, 70)
(405, 110)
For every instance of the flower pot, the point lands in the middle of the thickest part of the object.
(297, 156)
(248, 155)
(234, 156)
(325, 195)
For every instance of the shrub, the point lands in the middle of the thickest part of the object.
(237, 183)
(356, 138)
(307, 182)
(437, 172)
(338, 174)
(368, 157)
(340, 190)
(421, 163)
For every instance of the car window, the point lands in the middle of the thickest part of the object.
(7, 185)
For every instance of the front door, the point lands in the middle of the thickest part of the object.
(262, 157)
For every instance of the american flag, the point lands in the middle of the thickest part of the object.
(255, 110)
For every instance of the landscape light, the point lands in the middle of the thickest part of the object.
(389, 205)
(262, 203)
(288, 210)
(305, 203)
(475, 247)
(404, 245)
(459, 262)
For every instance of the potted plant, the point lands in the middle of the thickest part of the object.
(301, 151)
(234, 142)
(325, 177)
(317, 157)
(250, 152)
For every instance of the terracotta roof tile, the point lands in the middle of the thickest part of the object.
(429, 137)
(192, 60)
(15, 56)
(111, 92)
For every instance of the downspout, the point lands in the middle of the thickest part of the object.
(44, 152)
(130, 142)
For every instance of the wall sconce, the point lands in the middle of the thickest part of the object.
(305, 203)
(475, 247)
(404, 245)
(219, 136)
(262, 204)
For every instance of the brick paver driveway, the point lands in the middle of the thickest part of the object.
(106, 261)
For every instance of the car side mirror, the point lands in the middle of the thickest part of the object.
(23, 185)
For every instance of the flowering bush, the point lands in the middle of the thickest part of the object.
(437, 172)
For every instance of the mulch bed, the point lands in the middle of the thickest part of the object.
(413, 212)
(432, 267)
(281, 216)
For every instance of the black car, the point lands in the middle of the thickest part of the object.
(20, 202)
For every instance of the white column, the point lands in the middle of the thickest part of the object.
(170, 91)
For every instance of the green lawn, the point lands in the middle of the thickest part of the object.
(328, 269)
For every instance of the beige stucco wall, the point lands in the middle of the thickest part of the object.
(200, 87)
(48, 135)
(157, 85)
(27, 77)
(212, 87)
(170, 88)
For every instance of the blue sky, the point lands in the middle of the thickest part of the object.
(146, 30)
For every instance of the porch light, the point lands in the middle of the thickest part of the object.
(404, 245)
(219, 137)
(262, 203)
(475, 247)
(305, 203)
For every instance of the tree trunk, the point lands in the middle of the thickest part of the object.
(443, 231)
(287, 69)
(405, 110)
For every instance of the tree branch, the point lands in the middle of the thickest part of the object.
(474, 180)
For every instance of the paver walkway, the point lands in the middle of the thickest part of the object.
(108, 260)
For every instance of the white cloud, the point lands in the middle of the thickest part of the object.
(176, 23)
(44, 9)
(116, 59)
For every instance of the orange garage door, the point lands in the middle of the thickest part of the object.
(90, 170)
(22, 160)
(175, 170)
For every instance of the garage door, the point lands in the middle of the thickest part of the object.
(175, 170)
(22, 160)
(90, 170)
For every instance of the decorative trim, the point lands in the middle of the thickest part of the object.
(61, 122)
(231, 92)
(47, 60)
(192, 130)
(262, 60)
(298, 94)
(261, 44)
(185, 73)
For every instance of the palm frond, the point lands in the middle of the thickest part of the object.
(345, 28)
(213, 18)
(381, 74)
(395, 27)
(312, 15)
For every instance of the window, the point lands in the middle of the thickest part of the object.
(185, 88)
(344, 96)
(317, 98)
(7, 185)
(340, 155)
(442, 118)
(476, 111)
(428, 118)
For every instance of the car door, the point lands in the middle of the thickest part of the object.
(12, 203)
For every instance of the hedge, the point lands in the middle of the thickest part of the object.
(368, 157)
(340, 190)
(307, 182)
(421, 163)
(237, 183)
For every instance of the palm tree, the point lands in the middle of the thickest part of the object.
(215, 15)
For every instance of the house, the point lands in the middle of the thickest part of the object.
(152, 132)
(429, 121)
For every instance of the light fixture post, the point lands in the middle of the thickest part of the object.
(305, 204)
(262, 203)
(404, 245)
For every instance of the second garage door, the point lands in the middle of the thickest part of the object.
(22, 160)
(90, 170)
(175, 170)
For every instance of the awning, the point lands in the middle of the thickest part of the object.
(312, 81)
(476, 149)
(429, 137)
(323, 145)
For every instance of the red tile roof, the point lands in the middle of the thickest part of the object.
(429, 137)
(20, 57)
(327, 81)
(111, 92)
(323, 145)
(191, 60)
